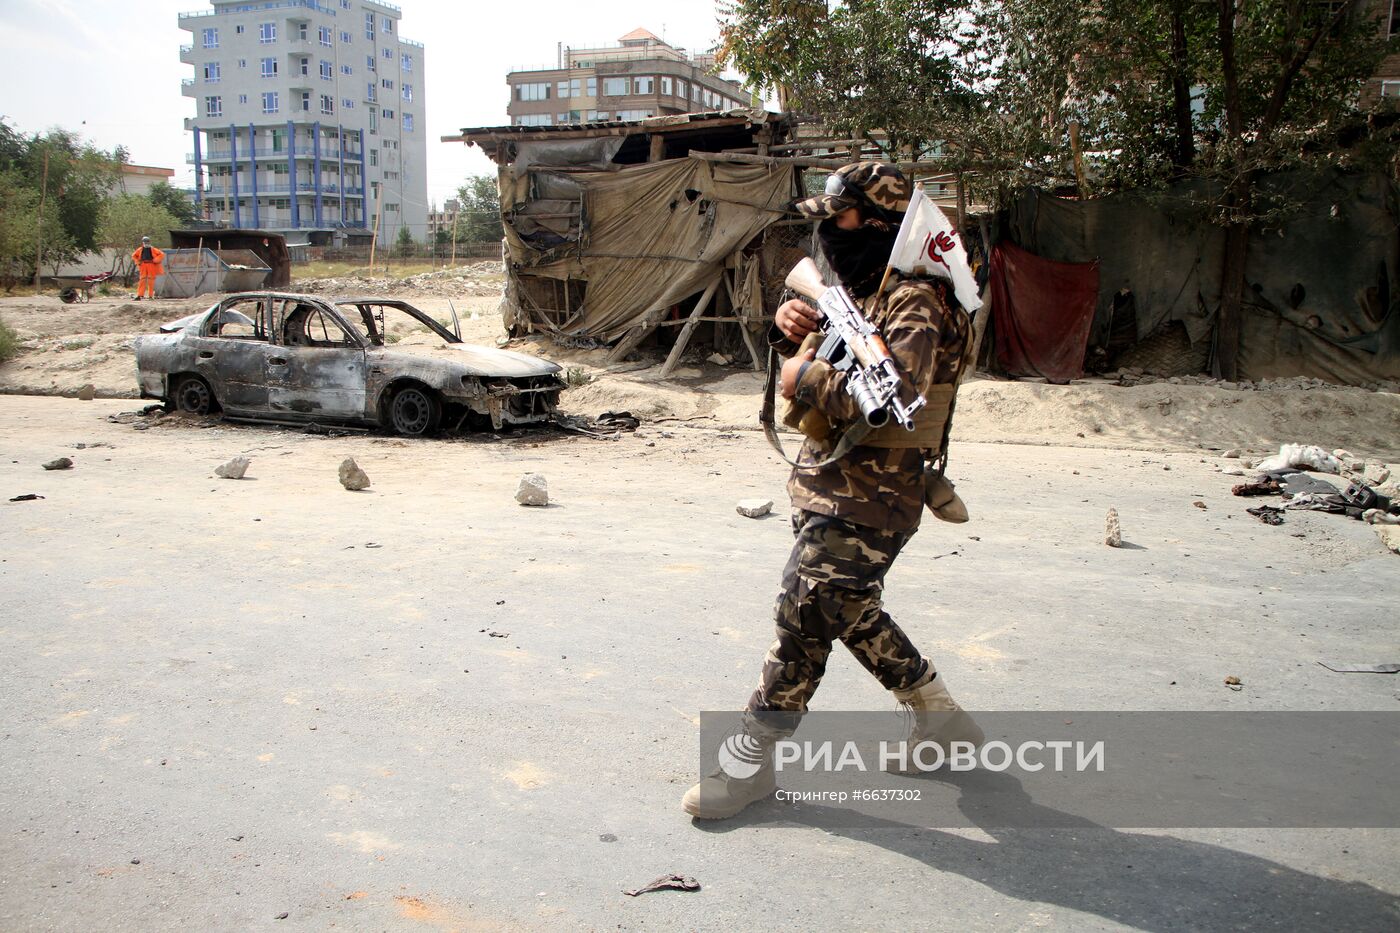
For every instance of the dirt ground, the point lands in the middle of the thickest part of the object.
(275, 704)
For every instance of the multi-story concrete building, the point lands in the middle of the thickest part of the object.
(640, 77)
(304, 111)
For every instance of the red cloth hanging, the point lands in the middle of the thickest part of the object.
(1042, 311)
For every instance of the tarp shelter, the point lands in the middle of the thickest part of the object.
(191, 272)
(1043, 310)
(269, 247)
(610, 227)
(1322, 297)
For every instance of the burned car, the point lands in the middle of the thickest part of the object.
(274, 356)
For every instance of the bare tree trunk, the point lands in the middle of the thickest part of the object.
(1181, 90)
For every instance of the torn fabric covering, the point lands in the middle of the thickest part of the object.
(652, 235)
(578, 153)
(1041, 312)
(1322, 297)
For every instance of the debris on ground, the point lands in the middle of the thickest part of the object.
(754, 508)
(1199, 504)
(27, 497)
(351, 476)
(1268, 514)
(62, 463)
(533, 490)
(1113, 532)
(666, 883)
(1350, 667)
(234, 469)
(607, 426)
(1234, 683)
(87, 393)
(478, 278)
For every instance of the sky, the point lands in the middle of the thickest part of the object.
(112, 70)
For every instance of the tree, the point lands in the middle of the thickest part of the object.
(404, 242)
(126, 218)
(174, 201)
(479, 211)
(78, 180)
(1100, 96)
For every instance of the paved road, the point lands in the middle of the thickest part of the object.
(222, 704)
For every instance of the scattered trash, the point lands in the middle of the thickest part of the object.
(1268, 514)
(719, 359)
(234, 469)
(666, 883)
(495, 634)
(607, 837)
(1265, 486)
(1234, 683)
(1379, 517)
(27, 497)
(62, 463)
(533, 490)
(352, 477)
(1199, 504)
(754, 508)
(282, 916)
(1113, 532)
(370, 545)
(1350, 667)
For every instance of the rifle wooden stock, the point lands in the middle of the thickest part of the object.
(806, 280)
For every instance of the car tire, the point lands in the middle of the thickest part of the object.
(414, 411)
(193, 396)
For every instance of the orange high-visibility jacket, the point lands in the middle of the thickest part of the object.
(154, 266)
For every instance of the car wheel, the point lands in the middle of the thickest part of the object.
(414, 412)
(192, 396)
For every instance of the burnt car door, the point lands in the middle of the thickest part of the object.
(316, 366)
(229, 351)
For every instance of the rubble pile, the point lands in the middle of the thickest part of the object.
(478, 278)
(1133, 376)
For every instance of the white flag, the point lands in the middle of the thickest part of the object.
(928, 245)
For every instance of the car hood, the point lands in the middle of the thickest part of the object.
(480, 361)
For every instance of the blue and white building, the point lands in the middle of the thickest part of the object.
(309, 117)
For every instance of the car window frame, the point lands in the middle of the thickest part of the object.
(235, 303)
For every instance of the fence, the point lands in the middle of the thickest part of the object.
(391, 255)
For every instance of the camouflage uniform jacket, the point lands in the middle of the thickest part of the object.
(880, 487)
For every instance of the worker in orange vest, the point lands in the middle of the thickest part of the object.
(149, 260)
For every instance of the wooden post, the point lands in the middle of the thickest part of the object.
(688, 328)
(658, 148)
(962, 204)
(455, 215)
(43, 193)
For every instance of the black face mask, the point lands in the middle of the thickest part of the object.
(858, 257)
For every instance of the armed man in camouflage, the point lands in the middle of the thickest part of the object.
(852, 517)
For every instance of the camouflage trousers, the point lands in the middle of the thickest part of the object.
(831, 590)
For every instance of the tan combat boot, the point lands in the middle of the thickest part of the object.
(745, 775)
(937, 718)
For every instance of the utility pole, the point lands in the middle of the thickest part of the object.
(378, 210)
(43, 193)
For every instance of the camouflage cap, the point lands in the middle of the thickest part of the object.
(877, 183)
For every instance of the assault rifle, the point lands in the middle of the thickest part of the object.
(855, 347)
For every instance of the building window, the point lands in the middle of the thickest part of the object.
(634, 114)
(536, 91)
(369, 63)
(323, 35)
(408, 92)
(596, 115)
(373, 155)
(243, 63)
(269, 101)
(1390, 89)
(615, 87)
(373, 121)
(345, 37)
(213, 106)
(388, 24)
(238, 30)
(211, 73)
(408, 123)
(347, 103)
(532, 119)
(406, 62)
(243, 98)
(666, 86)
(269, 67)
(389, 54)
(681, 89)
(592, 87)
(306, 66)
(561, 90)
(371, 92)
(306, 100)
(345, 4)
(267, 32)
(369, 25)
(211, 38)
(388, 84)
(643, 85)
(388, 114)
(346, 70)
(327, 104)
(301, 31)
(325, 70)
